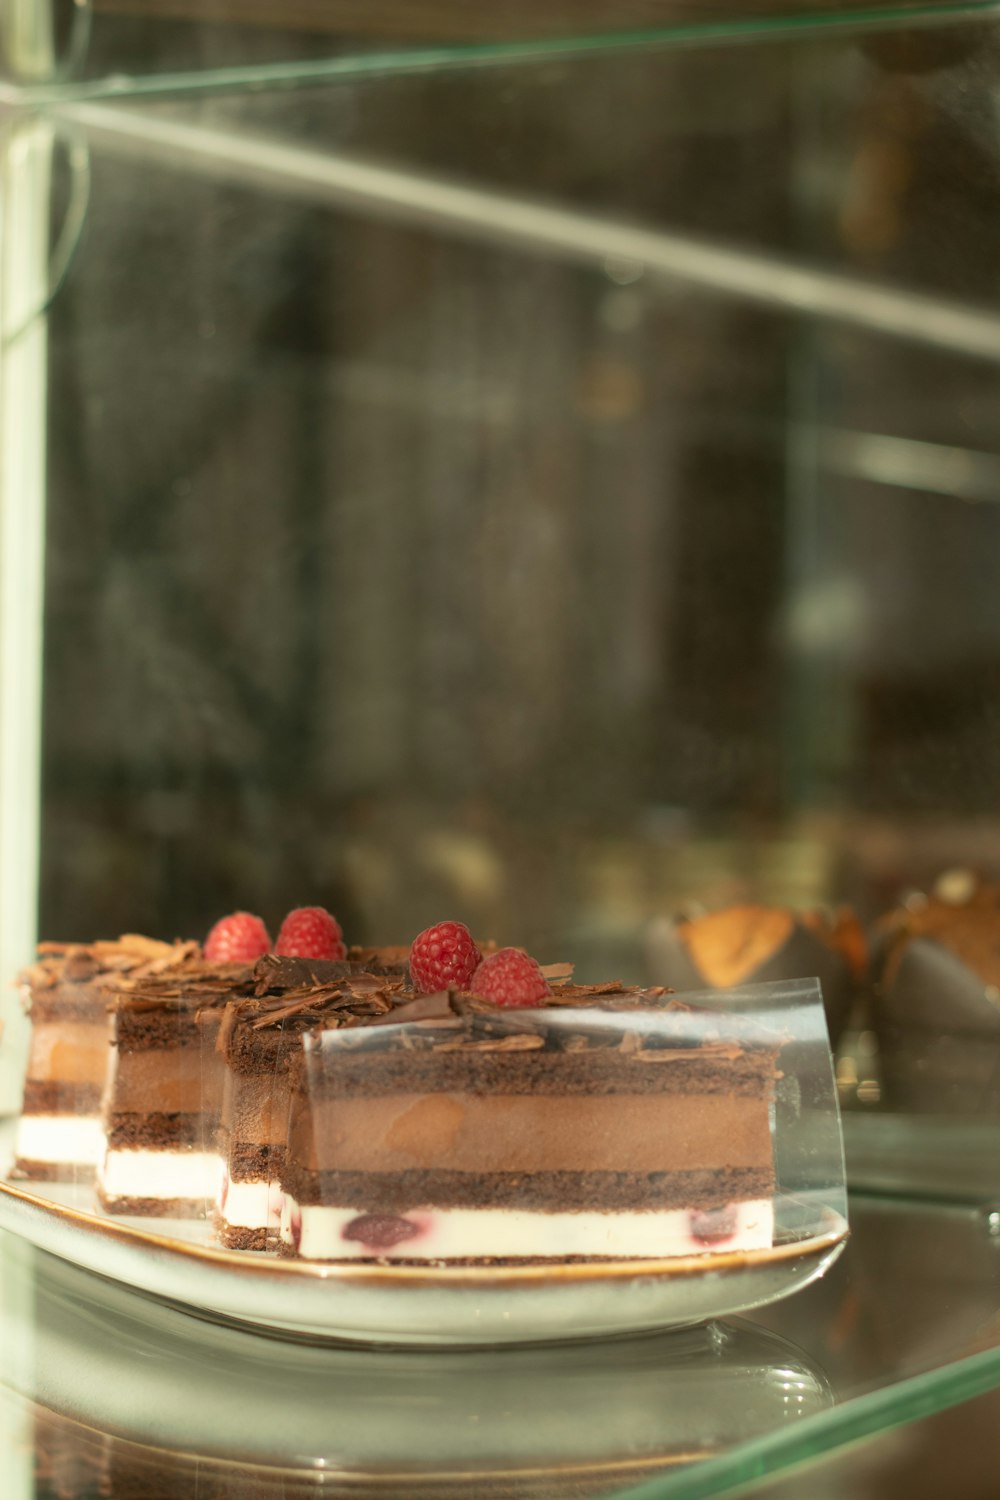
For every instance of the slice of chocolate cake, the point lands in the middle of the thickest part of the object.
(612, 1123)
(59, 1135)
(258, 1038)
(164, 1095)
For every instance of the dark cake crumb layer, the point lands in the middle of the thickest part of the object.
(28, 1170)
(55, 1098)
(551, 1192)
(152, 1208)
(152, 1132)
(601, 1071)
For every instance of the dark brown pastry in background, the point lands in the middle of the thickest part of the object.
(937, 999)
(752, 944)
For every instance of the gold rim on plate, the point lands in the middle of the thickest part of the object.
(347, 1273)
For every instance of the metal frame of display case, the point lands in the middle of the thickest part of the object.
(26, 152)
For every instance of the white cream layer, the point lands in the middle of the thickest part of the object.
(476, 1232)
(252, 1205)
(159, 1174)
(77, 1140)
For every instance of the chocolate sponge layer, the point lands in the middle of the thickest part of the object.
(61, 1098)
(562, 1192)
(603, 1070)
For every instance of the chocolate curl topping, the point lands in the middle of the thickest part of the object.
(557, 971)
(191, 987)
(131, 954)
(276, 973)
(349, 1003)
(436, 1007)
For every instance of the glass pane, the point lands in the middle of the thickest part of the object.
(111, 46)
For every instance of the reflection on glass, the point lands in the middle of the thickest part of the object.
(127, 1387)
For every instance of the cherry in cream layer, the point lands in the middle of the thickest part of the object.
(318, 1233)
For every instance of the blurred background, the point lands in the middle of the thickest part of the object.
(418, 572)
(477, 472)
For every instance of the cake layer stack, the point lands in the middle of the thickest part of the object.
(59, 1136)
(259, 1037)
(612, 1123)
(164, 1097)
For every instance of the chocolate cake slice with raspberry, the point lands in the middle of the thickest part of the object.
(59, 1135)
(259, 1035)
(608, 1123)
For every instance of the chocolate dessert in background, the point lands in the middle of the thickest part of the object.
(936, 964)
(753, 944)
(59, 1135)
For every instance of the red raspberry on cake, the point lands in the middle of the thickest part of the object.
(443, 956)
(310, 932)
(238, 939)
(510, 978)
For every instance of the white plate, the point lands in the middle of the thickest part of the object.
(393, 1304)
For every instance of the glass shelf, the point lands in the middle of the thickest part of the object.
(50, 48)
(759, 177)
(106, 1385)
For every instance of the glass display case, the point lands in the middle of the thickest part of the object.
(537, 468)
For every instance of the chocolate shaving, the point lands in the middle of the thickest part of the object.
(226, 1029)
(79, 966)
(367, 984)
(273, 972)
(310, 1004)
(81, 963)
(392, 955)
(436, 1007)
(187, 988)
(516, 1042)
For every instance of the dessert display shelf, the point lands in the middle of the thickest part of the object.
(456, 1173)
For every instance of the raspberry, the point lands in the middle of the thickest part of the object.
(510, 977)
(310, 932)
(443, 956)
(237, 939)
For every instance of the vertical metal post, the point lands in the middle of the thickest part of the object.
(27, 32)
(26, 150)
